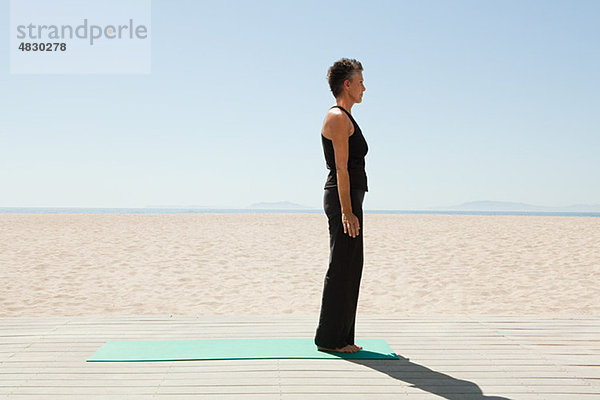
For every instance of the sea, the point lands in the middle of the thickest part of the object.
(50, 210)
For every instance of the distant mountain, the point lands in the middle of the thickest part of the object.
(279, 205)
(487, 205)
(169, 206)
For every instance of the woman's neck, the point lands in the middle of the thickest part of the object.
(346, 104)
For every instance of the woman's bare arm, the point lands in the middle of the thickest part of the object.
(337, 127)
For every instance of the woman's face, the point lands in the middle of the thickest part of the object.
(356, 87)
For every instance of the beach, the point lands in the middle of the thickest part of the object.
(275, 263)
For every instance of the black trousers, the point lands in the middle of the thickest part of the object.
(342, 281)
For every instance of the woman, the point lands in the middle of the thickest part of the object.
(345, 148)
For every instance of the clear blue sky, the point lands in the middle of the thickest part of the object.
(465, 100)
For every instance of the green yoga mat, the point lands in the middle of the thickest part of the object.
(231, 349)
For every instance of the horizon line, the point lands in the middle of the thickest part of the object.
(551, 209)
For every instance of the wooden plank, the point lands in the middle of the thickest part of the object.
(530, 358)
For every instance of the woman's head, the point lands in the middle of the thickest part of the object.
(345, 69)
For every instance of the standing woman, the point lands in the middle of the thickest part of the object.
(345, 149)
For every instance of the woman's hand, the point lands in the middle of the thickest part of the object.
(351, 224)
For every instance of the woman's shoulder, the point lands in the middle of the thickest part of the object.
(335, 113)
(336, 121)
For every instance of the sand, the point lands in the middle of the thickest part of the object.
(415, 265)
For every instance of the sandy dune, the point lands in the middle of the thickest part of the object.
(82, 264)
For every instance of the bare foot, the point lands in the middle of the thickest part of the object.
(349, 348)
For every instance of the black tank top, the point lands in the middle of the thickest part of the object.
(357, 149)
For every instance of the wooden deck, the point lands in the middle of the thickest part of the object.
(441, 358)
